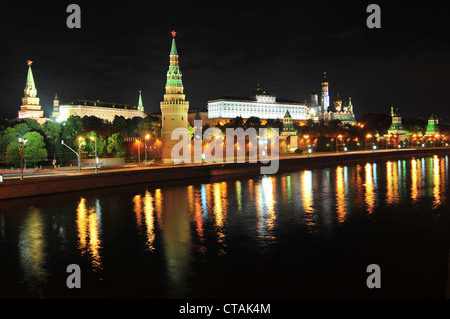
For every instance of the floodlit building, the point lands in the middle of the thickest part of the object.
(433, 126)
(174, 108)
(30, 108)
(104, 110)
(396, 131)
(258, 104)
(327, 112)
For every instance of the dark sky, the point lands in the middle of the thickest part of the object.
(225, 47)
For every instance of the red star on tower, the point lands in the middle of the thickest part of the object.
(29, 62)
(174, 33)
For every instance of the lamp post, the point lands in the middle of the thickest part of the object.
(96, 159)
(79, 148)
(146, 138)
(337, 142)
(367, 136)
(78, 155)
(139, 151)
(22, 146)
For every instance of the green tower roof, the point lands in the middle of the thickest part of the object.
(30, 78)
(174, 76)
(140, 104)
(174, 47)
(287, 114)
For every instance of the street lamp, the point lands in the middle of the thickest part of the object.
(367, 136)
(22, 146)
(146, 138)
(79, 147)
(337, 142)
(96, 159)
(78, 155)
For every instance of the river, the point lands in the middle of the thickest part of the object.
(301, 234)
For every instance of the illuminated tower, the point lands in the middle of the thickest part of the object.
(174, 108)
(140, 104)
(432, 127)
(55, 114)
(325, 98)
(30, 103)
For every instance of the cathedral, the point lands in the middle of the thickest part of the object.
(327, 113)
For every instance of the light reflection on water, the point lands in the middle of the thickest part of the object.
(184, 224)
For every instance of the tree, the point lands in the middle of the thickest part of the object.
(71, 130)
(90, 144)
(253, 121)
(150, 125)
(119, 125)
(34, 149)
(8, 136)
(52, 132)
(116, 145)
(93, 123)
(33, 125)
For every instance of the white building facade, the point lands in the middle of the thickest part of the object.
(262, 106)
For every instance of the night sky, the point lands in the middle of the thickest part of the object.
(225, 47)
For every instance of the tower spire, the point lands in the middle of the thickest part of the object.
(30, 102)
(174, 108)
(30, 87)
(140, 104)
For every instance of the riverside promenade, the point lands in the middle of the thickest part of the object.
(69, 180)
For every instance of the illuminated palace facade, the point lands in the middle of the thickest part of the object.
(258, 104)
(265, 106)
(104, 110)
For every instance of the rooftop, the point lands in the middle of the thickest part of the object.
(99, 103)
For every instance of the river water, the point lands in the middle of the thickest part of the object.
(303, 234)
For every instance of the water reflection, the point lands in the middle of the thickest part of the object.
(88, 227)
(176, 235)
(265, 203)
(145, 219)
(439, 181)
(306, 188)
(341, 189)
(369, 186)
(416, 181)
(392, 180)
(32, 251)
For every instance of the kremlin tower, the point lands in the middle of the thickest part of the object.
(174, 108)
(30, 103)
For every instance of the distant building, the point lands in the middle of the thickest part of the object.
(258, 104)
(433, 126)
(55, 114)
(288, 136)
(104, 110)
(325, 111)
(30, 108)
(396, 131)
